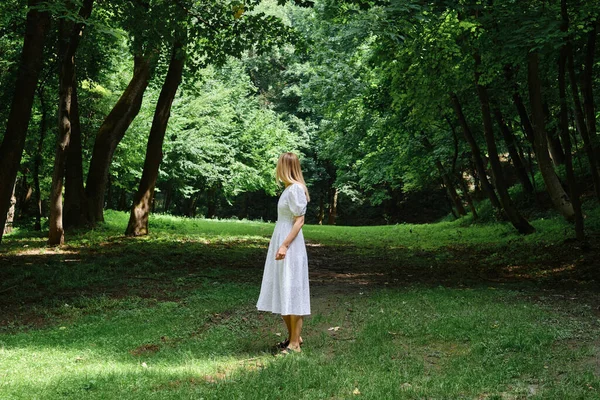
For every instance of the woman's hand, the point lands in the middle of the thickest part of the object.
(281, 252)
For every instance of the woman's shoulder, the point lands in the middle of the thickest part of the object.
(297, 187)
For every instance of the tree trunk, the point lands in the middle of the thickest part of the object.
(321, 209)
(446, 179)
(333, 206)
(37, 161)
(451, 190)
(122, 204)
(587, 89)
(523, 116)
(110, 192)
(564, 129)
(138, 219)
(211, 202)
(479, 165)
(11, 149)
(467, 195)
(580, 122)
(510, 141)
(518, 102)
(517, 220)
(67, 113)
(194, 206)
(75, 214)
(554, 147)
(10, 216)
(559, 197)
(111, 132)
(23, 192)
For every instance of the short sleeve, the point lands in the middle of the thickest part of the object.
(297, 200)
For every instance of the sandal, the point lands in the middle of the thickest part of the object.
(286, 343)
(287, 351)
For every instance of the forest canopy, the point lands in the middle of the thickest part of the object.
(401, 110)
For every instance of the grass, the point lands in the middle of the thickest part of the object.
(438, 311)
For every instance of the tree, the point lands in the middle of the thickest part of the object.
(68, 119)
(11, 149)
(138, 220)
(553, 185)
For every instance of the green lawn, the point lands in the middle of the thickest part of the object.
(400, 312)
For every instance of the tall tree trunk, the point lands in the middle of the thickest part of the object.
(517, 220)
(138, 219)
(75, 213)
(559, 197)
(23, 192)
(479, 165)
(587, 89)
(66, 116)
(194, 206)
(580, 122)
(11, 149)
(510, 141)
(112, 131)
(574, 191)
(518, 102)
(321, 209)
(10, 216)
(523, 116)
(333, 206)
(37, 161)
(554, 147)
(211, 202)
(110, 191)
(122, 203)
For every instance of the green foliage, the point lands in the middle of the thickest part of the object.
(220, 138)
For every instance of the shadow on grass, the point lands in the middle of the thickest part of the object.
(166, 266)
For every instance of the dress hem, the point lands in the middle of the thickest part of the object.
(278, 313)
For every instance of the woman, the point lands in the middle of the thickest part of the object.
(284, 287)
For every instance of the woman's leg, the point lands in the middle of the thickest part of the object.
(288, 324)
(296, 328)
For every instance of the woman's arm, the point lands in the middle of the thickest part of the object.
(298, 222)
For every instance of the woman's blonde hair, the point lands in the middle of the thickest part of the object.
(288, 171)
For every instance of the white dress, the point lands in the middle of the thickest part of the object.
(284, 287)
